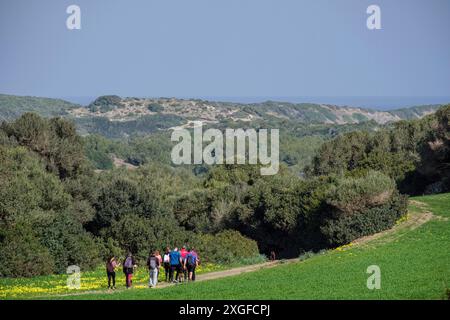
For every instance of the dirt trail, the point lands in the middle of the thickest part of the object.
(199, 278)
(415, 220)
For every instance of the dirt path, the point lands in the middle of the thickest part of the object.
(240, 270)
(415, 219)
(199, 278)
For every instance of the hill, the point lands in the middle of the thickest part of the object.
(57, 211)
(303, 126)
(115, 108)
(113, 116)
(12, 107)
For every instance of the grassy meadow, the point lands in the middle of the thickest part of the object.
(414, 263)
(55, 285)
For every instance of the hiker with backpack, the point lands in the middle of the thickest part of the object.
(128, 268)
(111, 265)
(191, 263)
(198, 262)
(166, 261)
(175, 265)
(153, 264)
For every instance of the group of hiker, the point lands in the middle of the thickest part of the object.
(179, 266)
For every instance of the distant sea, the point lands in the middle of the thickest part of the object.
(377, 103)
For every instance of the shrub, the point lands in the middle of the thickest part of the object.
(192, 210)
(140, 235)
(111, 247)
(121, 196)
(346, 228)
(105, 103)
(133, 233)
(351, 195)
(225, 247)
(260, 258)
(55, 140)
(41, 224)
(69, 244)
(309, 254)
(21, 253)
(155, 107)
(100, 160)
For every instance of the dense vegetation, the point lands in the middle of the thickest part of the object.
(296, 119)
(303, 126)
(105, 103)
(54, 211)
(143, 125)
(57, 210)
(423, 250)
(413, 262)
(416, 154)
(298, 142)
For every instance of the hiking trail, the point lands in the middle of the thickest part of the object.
(415, 220)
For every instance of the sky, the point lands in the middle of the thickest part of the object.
(227, 48)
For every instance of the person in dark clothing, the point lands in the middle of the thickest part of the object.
(198, 262)
(190, 263)
(128, 268)
(153, 267)
(273, 256)
(166, 262)
(111, 265)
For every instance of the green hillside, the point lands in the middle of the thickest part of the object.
(414, 264)
(413, 257)
(57, 211)
(12, 107)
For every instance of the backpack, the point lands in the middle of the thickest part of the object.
(167, 258)
(152, 262)
(128, 263)
(191, 259)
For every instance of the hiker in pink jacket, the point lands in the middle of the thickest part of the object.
(111, 265)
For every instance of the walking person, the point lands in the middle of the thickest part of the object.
(175, 265)
(198, 262)
(273, 256)
(158, 256)
(111, 265)
(166, 261)
(191, 263)
(183, 254)
(128, 268)
(153, 266)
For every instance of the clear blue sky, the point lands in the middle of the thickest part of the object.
(236, 48)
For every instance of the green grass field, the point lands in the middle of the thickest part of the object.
(414, 263)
